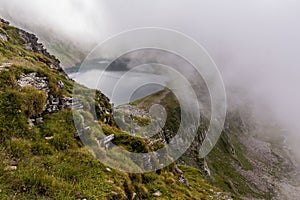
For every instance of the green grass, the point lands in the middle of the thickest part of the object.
(61, 167)
(221, 161)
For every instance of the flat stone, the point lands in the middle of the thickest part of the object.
(110, 181)
(11, 168)
(157, 193)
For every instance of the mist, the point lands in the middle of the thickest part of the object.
(254, 43)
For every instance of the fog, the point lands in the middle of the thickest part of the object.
(255, 43)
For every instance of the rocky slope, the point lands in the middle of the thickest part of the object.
(251, 159)
(41, 154)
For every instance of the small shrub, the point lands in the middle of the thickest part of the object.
(60, 142)
(7, 80)
(34, 101)
(42, 149)
(18, 148)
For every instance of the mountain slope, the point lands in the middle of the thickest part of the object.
(250, 160)
(41, 155)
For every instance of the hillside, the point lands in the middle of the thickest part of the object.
(250, 160)
(42, 156)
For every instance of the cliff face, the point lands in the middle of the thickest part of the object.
(42, 156)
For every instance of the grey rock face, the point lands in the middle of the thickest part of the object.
(32, 44)
(206, 168)
(4, 21)
(33, 80)
(53, 104)
(183, 180)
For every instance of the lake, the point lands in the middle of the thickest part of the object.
(122, 86)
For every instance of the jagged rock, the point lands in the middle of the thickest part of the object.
(30, 123)
(3, 36)
(67, 102)
(157, 193)
(31, 44)
(61, 85)
(53, 104)
(33, 80)
(183, 180)
(40, 83)
(206, 168)
(53, 100)
(55, 66)
(4, 21)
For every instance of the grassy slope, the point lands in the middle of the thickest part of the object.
(221, 161)
(61, 168)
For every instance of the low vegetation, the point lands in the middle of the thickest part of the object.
(46, 161)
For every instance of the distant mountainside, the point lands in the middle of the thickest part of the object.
(250, 160)
(69, 53)
(42, 156)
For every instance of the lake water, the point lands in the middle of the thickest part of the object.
(121, 86)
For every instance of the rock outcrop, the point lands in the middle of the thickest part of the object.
(3, 36)
(34, 80)
(31, 44)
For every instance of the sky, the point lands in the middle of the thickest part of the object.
(255, 43)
